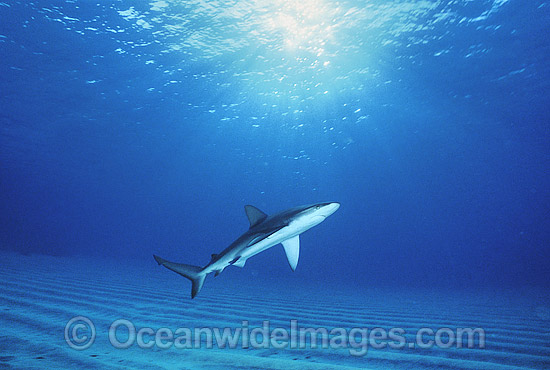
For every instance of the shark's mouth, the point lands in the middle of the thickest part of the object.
(317, 220)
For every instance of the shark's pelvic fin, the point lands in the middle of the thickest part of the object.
(239, 262)
(292, 250)
(255, 216)
(193, 273)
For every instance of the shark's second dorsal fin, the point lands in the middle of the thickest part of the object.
(255, 216)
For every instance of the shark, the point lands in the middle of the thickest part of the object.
(264, 232)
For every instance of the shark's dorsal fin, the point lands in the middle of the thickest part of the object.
(255, 216)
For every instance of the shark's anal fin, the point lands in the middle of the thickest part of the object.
(292, 250)
(255, 216)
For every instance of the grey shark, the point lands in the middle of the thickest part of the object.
(264, 232)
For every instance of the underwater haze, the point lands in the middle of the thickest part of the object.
(133, 128)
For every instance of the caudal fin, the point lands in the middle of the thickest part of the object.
(193, 273)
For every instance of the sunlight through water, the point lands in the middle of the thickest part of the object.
(305, 25)
(264, 59)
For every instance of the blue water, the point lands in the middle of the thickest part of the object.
(132, 128)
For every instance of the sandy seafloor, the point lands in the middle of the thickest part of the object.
(39, 294)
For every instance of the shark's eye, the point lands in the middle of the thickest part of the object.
(317, 207)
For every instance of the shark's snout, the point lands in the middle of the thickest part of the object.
(330, 208)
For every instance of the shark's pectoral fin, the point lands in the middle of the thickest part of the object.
(292, 250)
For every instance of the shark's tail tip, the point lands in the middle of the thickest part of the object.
(193, 273)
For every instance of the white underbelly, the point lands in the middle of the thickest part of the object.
(274, 239)
(287, 232)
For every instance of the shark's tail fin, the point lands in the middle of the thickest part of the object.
(193, 273)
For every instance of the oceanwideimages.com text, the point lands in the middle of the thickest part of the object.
(80, 334)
